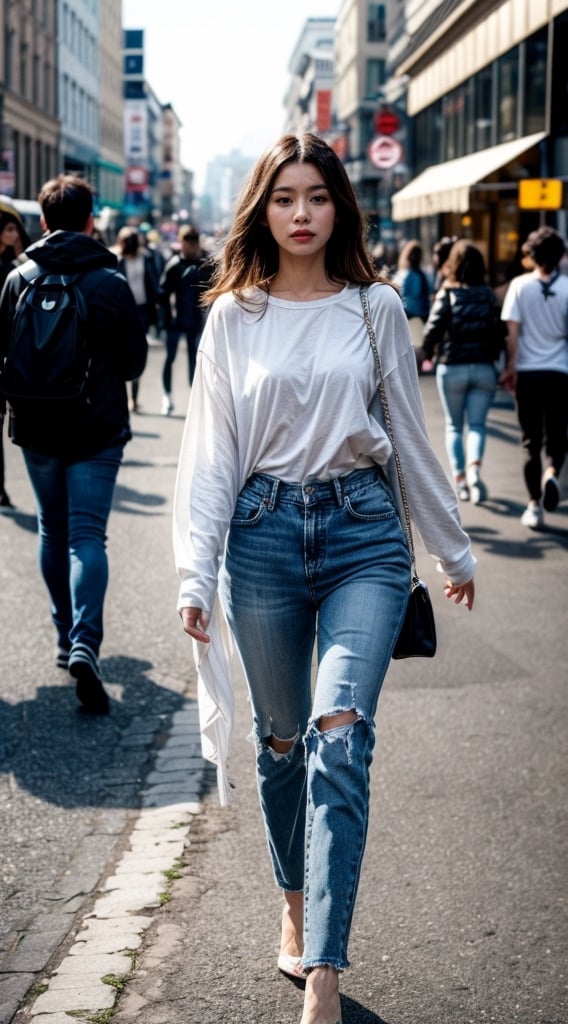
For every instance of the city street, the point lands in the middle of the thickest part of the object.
(461, 914)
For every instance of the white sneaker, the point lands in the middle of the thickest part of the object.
(477, 488)
(167, 405)
(532, 517)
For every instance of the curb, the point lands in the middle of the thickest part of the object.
(91, 976)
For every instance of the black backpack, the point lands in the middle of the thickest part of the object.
(48, 355)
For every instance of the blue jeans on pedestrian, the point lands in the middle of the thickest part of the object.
(73, 503)
(466, 391)
(326, 562)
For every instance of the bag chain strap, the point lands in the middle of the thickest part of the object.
(363, 292)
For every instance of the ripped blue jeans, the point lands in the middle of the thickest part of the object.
(325, 563)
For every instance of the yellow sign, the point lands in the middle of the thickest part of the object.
(540, 194)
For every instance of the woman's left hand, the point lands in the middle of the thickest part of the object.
(195, 622)
(461, 592)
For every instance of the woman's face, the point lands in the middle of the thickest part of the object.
(10, 236)
(300, 212)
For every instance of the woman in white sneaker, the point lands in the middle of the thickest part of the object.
(536, 311)
(464, 335)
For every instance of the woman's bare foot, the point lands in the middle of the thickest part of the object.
(321, 1001)
(292, 943)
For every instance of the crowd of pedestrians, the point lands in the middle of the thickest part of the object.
(286, 515)
(476, 339)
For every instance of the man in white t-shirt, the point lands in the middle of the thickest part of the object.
(536, 311)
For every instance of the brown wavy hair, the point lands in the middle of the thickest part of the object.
(465, 264)
(250, 255)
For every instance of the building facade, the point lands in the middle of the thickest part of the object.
(171, 180)
(109, 163)
(78, 70)
(360, 74)
(154, 179)
(224, 179)
(308, 100)
(29, 126)
(486, 92)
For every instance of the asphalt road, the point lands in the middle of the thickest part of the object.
(461, 915)
(69, 784)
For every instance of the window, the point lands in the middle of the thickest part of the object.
(38, 166)
(374, 77)
(508, 94)
(9, 38)
(23, 68)
(483, 108)
(65, 113)
(453, 112)
(429, 137)
(376, 23)
(47, 95)
(535, 83)
(35, 80)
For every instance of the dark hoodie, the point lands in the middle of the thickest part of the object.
(118, 347)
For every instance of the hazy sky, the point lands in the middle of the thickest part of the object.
(223, 65)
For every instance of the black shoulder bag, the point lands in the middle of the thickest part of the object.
(417, 637)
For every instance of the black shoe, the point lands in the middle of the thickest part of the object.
(62, 658)
(550, 494)
(89, 688)
(5, 503)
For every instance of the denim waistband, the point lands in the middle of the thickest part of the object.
(274, 490)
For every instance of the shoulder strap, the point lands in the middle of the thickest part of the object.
(30, 270)
(364, 295)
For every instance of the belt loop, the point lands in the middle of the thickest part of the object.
(271, 503)
(338, 492)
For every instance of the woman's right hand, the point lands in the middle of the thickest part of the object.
(195, 622)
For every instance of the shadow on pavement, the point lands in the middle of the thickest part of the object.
(22, 519)
(127, 498)
(533, 547)
(353, 1012)
(70, 759)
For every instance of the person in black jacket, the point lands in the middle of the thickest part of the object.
(13, 241)
(139, 269)
(185, 277)
(464, 334)
(73, 450)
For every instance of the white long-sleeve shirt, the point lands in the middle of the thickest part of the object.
(292, 392)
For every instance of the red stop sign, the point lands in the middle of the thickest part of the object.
(386, 122)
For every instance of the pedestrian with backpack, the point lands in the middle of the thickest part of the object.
(70, 338)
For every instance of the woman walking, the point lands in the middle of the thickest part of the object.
(283, 497)
(465, 335)
(138, 267)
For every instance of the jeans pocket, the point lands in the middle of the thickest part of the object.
(249, 510)
(371, 504)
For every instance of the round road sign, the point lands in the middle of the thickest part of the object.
(384, 152)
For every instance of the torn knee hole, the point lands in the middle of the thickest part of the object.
(335, 721)
(279, 745)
